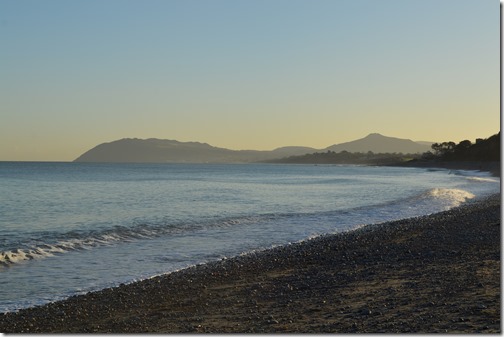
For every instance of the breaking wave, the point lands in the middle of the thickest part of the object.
(451, 197)
(71, 241)
(484, 179)
(51, 244)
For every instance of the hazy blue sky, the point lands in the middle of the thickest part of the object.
(244, 74)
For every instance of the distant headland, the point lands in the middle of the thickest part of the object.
(153, 150)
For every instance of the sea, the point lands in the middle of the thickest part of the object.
(71, 228)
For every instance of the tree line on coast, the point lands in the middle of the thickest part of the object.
(345, 157)
(482, 150)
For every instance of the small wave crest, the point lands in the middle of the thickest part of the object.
(484, 179)
(44, 250)
(449, 197)
(48, 245)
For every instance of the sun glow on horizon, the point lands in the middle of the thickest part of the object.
(245, 75)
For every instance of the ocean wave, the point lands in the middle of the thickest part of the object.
(51, 244)
(452, 194)
(484, 179)
(444, 197)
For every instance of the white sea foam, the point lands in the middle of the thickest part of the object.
(118, 235)
(448, 197)
(48, 250)
(484, 179)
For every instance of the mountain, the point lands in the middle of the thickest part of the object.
(133, 150)
(292, 150)
(378, 143)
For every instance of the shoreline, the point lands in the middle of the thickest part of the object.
(493, 167)
(435, 273)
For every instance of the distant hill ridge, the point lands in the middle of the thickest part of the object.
(378, 143)
(152, 150)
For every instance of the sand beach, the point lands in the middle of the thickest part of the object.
(436, 273)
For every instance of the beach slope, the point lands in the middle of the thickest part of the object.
(437, 273)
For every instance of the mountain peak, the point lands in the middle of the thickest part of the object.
(375, 135)
(379, 143)
(379, 135)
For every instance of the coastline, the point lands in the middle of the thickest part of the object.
(494, 167)
(436, 273)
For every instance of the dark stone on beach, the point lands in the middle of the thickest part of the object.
(365, 312)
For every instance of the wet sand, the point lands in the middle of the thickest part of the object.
(438, 273)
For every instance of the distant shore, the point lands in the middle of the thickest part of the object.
(493, 167)
(437, 273)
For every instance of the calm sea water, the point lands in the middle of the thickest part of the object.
(70, 228)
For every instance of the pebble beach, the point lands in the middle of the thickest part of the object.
(433, 274)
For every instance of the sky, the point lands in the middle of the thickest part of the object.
(244, 74)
